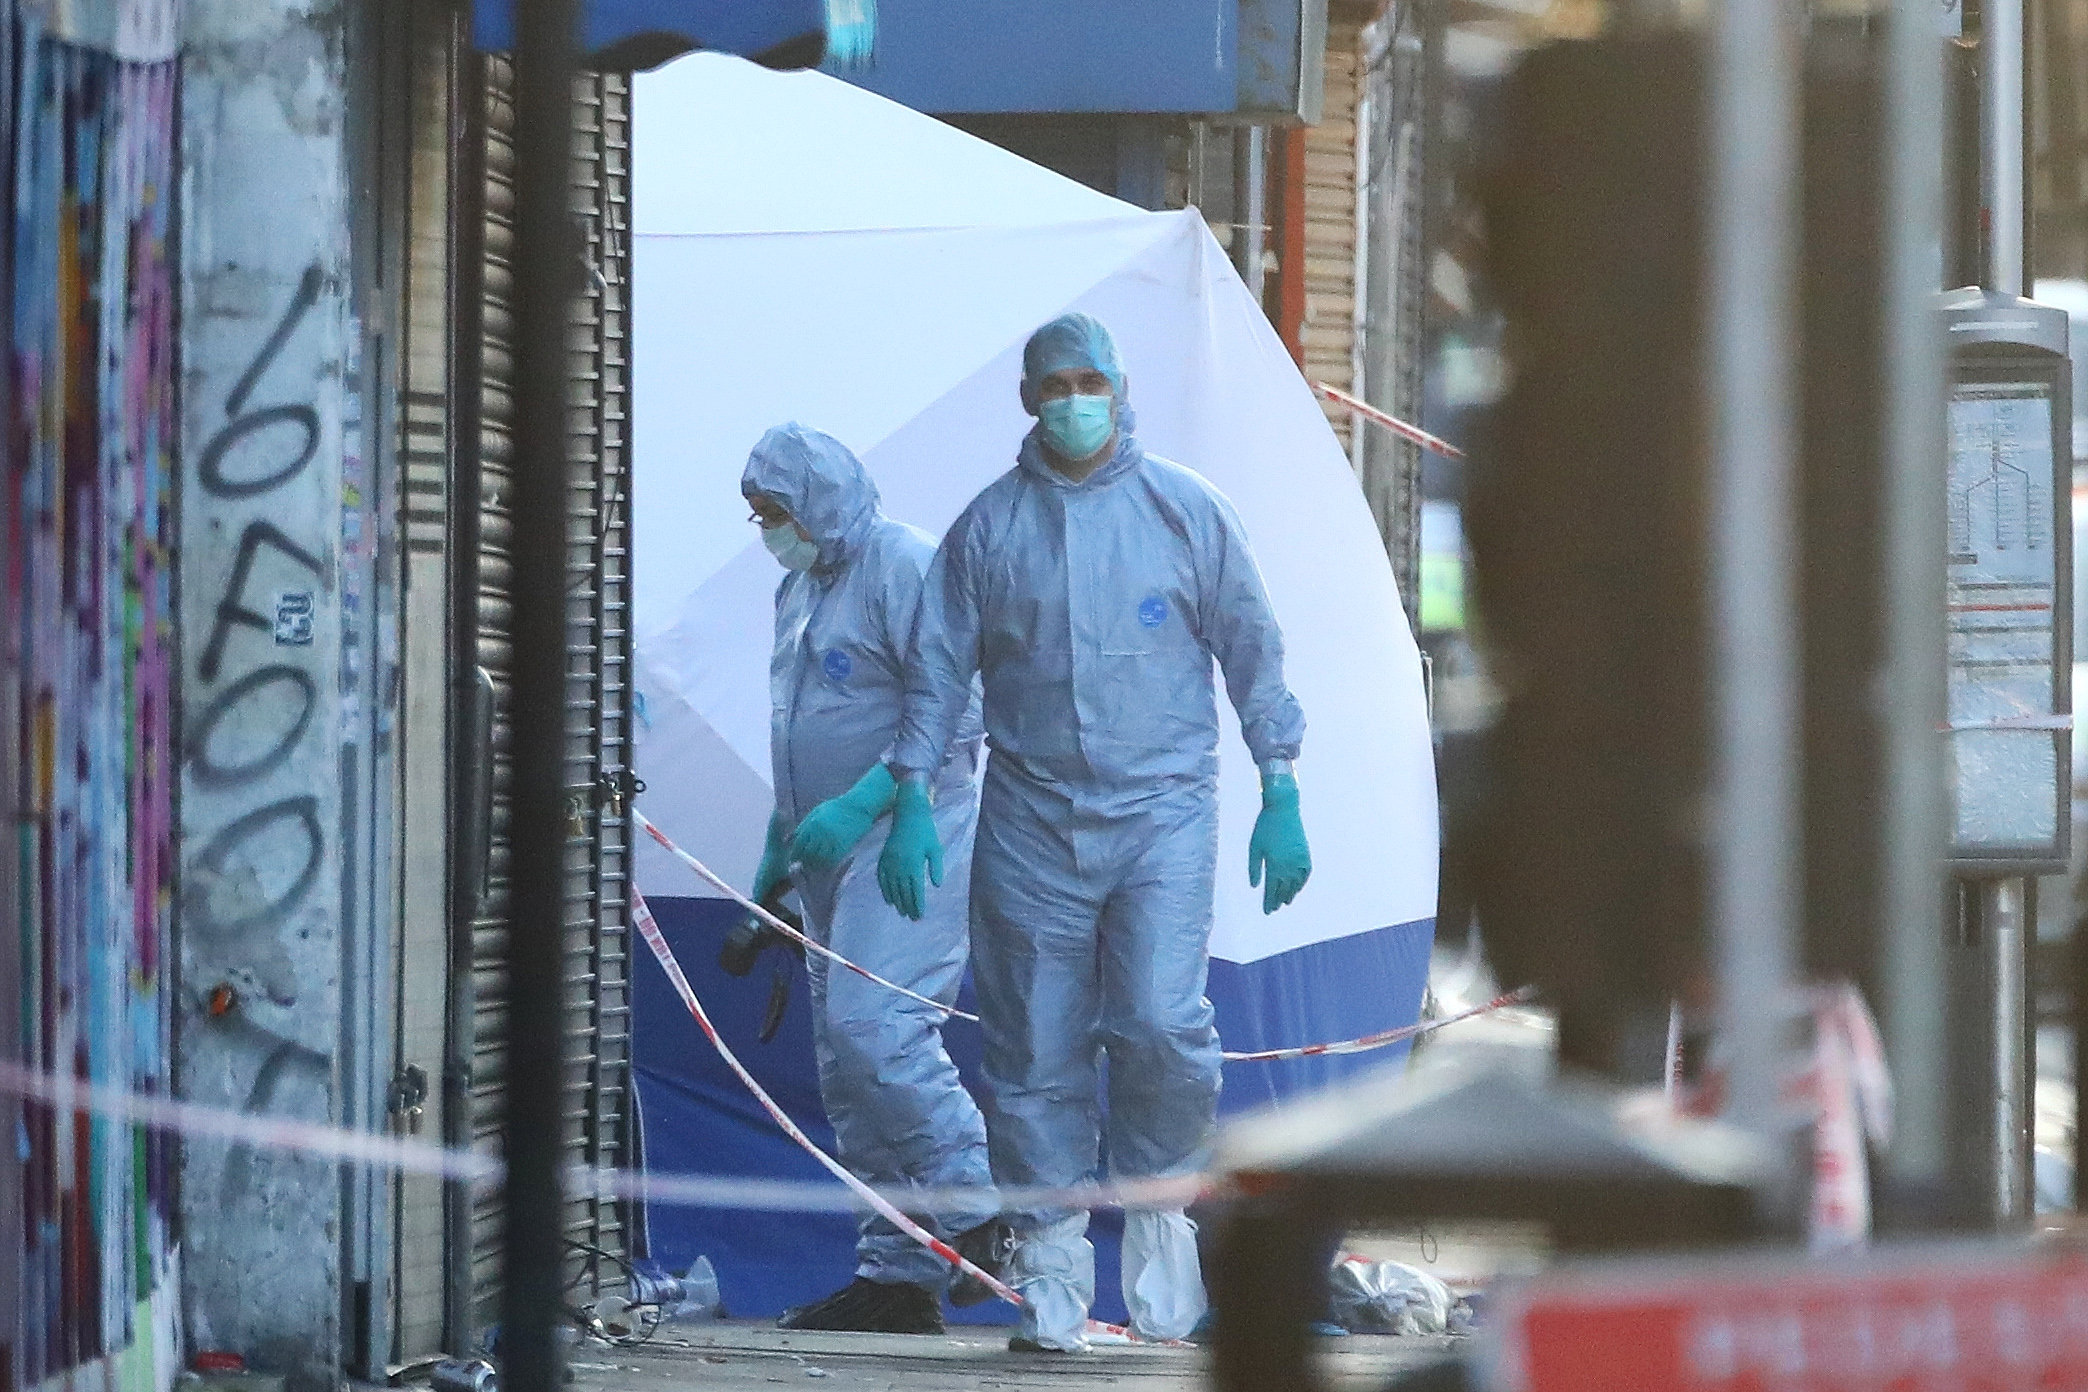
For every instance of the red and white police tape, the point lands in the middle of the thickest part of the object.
(650, 931)
(322, 1141)
(1383, 1038)
(711, 877)
(344, 1145)
(1391, 422)
(1379, 1039)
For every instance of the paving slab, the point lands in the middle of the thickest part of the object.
(731, 1356)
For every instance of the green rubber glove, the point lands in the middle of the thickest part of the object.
(911, 845)
(775, 860)
(1278, 844)
(830, 831)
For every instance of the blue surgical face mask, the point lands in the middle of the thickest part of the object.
(1077, 426)
(788, 547)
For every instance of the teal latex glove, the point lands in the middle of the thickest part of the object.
(1278, 844)
(911, 845)
(830, 831)
(775, 860)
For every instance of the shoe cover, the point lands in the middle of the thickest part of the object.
(1053, 1269)
(1163, 1280)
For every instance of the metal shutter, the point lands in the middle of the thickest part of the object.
(597, 1015)
(598, 685)
(1398, 94)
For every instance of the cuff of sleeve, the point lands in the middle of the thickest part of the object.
(873, 792)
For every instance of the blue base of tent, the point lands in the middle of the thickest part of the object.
(697, 1118)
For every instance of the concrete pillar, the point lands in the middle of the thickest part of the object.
(271, 523)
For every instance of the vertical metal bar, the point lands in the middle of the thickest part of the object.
(544, 280)
(2002, 135)
(1754, 618)
(1253, 205)
(1915, 991)
(1671, 1058)
(2001, 99)
(2002, 914)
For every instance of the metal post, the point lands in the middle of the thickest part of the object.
(1753, 204)
(2000, 901)
(1252, 171)
(2005, 939)
(1915, 992)
(2001, 133)
(544, 271)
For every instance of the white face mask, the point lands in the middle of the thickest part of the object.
(790, 549)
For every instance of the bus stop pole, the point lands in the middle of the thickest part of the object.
(1912, 956)
(1753, 206)
(532, 1201)
(2001, 130)
(2004, 935)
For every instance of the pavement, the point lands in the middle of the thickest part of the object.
(741, 1356)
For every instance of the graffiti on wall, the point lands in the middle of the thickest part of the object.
(260, 901)
(267, 357)
(86, 652)
(253, 694)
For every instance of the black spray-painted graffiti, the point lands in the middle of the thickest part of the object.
(279, 693)
(213, 861)
(209, 773)
(212, 467)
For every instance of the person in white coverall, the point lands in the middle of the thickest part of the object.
(1092, 586)
(844, 614)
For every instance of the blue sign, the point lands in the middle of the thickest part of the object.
(985, 56)
(645, 33)
(837, 664)
(1256, 58)
(1152, 611)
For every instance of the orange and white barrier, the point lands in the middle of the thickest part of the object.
(1434, 443)
(712, 878)
(650, 931)
(1380, 1039)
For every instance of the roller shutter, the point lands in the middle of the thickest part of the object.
(596, 1019)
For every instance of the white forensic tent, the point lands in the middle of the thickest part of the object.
(808, 251)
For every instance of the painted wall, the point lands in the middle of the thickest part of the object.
(269, 568)
(85, 635)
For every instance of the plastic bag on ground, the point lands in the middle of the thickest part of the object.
(693, 1295)
(1387, 1297)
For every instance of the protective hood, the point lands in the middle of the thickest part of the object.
(820, 481)
(1071, 340)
